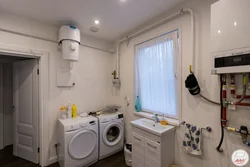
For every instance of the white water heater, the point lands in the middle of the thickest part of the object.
(69, 38)
(230, 36)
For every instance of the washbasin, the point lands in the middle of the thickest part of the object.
(151, 126)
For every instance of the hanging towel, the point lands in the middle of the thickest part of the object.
(192, 139)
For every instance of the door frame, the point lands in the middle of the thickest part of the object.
(1, 109)
(44, 93)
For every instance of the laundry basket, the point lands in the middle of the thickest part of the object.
(128, 154)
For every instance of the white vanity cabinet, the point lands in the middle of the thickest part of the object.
(152, 150)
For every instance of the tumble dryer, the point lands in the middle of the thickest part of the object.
(78, 141)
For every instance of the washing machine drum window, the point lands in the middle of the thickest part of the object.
(112, 134)
(82, 144)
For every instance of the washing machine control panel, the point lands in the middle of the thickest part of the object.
(79, 126)
(110, 118)
(72, 127)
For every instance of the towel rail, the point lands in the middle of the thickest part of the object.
(208, 128)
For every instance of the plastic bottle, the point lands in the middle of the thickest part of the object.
(74, 113)
(137, 104)
(69, 111)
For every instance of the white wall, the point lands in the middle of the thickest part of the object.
(93, 85)
(194, 110)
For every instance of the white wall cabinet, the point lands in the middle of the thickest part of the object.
(150, 150)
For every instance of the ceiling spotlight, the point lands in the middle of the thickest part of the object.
(219, 31)
(235, 23)
(97, 22)
(123, 0)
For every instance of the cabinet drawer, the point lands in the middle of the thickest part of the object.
(137, 160)
(152, 150)
(157, 164)
(138, 142)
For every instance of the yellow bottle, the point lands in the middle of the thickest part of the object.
(163, 121)
(74, 113)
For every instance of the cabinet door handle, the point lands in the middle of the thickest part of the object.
(152, 146)
(137, 138)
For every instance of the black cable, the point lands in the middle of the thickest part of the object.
(219, 149)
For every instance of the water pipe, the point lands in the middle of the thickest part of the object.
(128, 37)
(224, 98)
(232, 86)
(243, 132)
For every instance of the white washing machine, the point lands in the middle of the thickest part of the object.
(78, 141)
(111, 134)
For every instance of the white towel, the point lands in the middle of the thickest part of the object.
(192, 139)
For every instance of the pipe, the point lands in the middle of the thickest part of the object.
(219, 149)
(243, 104)
(224, 97)
(244, 88)
(192, 37)
(151, 26)
(232, 86)
(248, 87)
(182, 11)
(117, 61)
(211, 101)
(50, 40)
(239, 96)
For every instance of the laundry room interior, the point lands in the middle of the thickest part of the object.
(163, 83)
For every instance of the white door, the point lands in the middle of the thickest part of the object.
(26, 107)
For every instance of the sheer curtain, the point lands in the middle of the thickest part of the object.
(156, 71)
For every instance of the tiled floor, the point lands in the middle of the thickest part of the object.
(8, 160)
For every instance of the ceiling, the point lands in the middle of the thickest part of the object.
(117, 17)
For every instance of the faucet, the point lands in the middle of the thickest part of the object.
(156, 119)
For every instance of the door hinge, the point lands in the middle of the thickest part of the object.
(38, 149)
(37, 71)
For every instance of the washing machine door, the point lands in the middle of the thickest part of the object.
(112, 134)
(82, 144)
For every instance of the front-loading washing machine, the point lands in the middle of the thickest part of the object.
(78, 141)
(111, 134)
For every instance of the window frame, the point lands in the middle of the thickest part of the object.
(178, 63)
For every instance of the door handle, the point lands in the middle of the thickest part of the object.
(137, 138)
(152, 146)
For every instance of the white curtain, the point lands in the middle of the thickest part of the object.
(156, 70)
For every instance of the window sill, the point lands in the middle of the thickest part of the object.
(171, 121)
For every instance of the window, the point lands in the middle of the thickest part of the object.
(157, 71)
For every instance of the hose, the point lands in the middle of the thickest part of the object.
(211, 101)
(193, 87)
(219, 149)
(244, 88)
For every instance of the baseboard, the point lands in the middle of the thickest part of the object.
(53, 160)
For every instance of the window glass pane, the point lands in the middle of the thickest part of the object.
(156, 82)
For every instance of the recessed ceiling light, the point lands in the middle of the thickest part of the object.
(235, 23)
(97, 22)
(123, 0)
(219, 31)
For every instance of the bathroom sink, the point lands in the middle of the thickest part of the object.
(151, 126)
